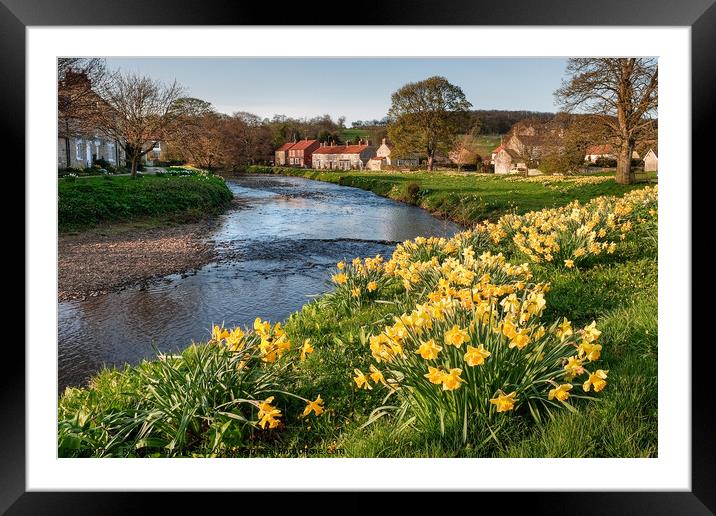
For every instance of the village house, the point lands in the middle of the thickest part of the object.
(83, 151)
(281, 154)
(606, 151)
(509, 161)
(79, 144)
(300, 154)
(343, 157)
(651, 161)
(383, 156)
(522, 147)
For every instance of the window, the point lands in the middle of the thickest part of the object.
(110, 152)
(78, 150)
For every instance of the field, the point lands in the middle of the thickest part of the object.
(487, 143)
(86, 202)
(564, 301)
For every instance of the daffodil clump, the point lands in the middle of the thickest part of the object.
(476, 347)
(561, 180)
(569, 235)
(260, 351)
(358, 282)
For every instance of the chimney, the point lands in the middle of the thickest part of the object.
(383, 141)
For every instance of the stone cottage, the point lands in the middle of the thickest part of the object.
(83, 151)
(509, 161)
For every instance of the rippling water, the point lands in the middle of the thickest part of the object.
(275, 252)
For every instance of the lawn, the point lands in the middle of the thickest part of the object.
(244, 393)
(468, 197)
(86, 202)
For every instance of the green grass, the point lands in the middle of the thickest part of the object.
(87, 202)
(354, 134)
(464, 198)
(618, 291)
(486, 143)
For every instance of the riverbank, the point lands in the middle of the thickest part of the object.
(84, 203)
(467, 197)
(326, 354)
(114, 257)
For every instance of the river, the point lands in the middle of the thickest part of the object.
(275, 253)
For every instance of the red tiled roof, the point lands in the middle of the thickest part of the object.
(498, 149)
(303, 144)
(341, 149)
(600, 149)
(285, 147)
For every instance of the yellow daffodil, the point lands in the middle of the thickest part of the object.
(306, 349)
(569, 263)
(219, 333)
(315, 406)
(573, 368)
(376, 375)
(561, 392)
(372, 286)
(456, 336)
(476, 356)
(451, 380)
(262, 328)
(435, 375)
(504, 402)
(355, 292)
(339, 278)
(591, 333)
(361, 380)
(564, 330)
(268, 414)
(341, 265)
(429, 350)
(596, 380)
(591, 351)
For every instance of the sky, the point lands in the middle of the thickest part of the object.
(357, 88)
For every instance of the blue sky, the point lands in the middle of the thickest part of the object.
(357, 88)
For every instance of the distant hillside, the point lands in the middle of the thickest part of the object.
(497, 121)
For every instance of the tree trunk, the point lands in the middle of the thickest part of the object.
(133, 170)
(430, 162)
(624, 174)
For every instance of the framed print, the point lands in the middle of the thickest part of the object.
(426, 252)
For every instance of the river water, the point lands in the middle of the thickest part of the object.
(275, 252)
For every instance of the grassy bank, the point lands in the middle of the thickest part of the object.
(344, 376)
(86, 202)
(467, 198)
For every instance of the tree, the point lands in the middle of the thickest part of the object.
(426, 116)
(465, 151)
(198, 137)
(76, 78)
(622, 92)
(138, 112)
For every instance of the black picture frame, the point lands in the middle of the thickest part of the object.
(699, 15)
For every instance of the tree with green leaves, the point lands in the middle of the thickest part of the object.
(622, 93)
(426, 116)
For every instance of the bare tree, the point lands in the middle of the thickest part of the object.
(138, 112)
(465, 151)
(623, 92)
